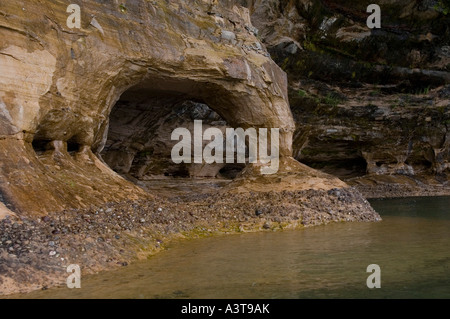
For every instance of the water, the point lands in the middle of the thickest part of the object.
(411, 245)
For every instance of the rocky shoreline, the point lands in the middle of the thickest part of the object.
(35, 252)
(399, 190)
(393, 186)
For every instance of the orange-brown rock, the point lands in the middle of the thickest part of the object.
(58, 86)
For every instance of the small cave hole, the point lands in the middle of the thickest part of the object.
(230, 171)
(40, 146)
(181, 172)
(72, 147)
(420, 164)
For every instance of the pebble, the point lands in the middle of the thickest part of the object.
(258, 212)
(52, 253)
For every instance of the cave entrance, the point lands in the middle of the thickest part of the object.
(339, 158)
(344, 169)
(138, 144)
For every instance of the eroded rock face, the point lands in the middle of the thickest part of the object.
(366, 102)
(59, 85)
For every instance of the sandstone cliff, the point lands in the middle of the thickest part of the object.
(371, 106)
(78, 107)
(59, 85)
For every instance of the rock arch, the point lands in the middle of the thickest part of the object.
(58, 86)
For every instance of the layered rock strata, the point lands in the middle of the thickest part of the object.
(371, 106)
(58, 87)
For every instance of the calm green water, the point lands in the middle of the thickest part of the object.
(411, 245)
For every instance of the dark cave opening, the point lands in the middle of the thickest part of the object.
(139, 144)
(230, 171)
(419, 164)
(72, 146)
(342, 168)
(39, 146)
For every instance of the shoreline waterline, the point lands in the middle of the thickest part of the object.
(316, 262)
(37, 251)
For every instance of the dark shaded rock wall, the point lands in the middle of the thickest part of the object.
(365, 102)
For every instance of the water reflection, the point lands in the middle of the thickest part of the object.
(411, 245)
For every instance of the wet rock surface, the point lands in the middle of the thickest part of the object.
(390, 186)
(36, 251)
